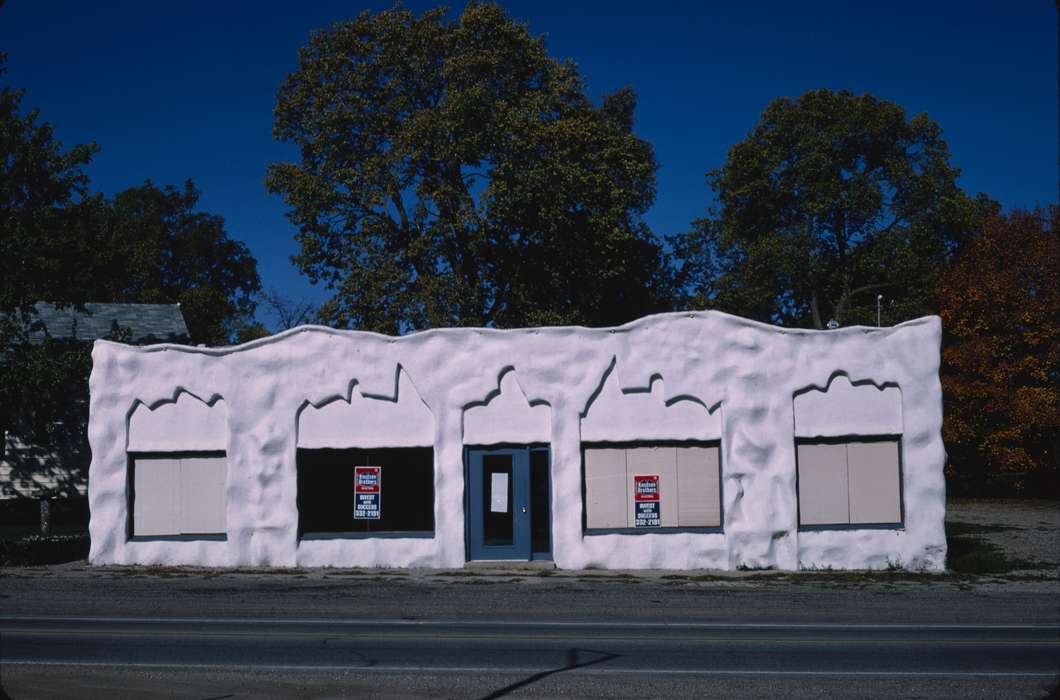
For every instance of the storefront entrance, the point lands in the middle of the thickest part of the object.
(508, 503)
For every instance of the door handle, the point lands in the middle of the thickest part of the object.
(524, 509)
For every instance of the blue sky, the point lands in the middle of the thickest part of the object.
(172, 91)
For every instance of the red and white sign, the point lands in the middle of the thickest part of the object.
(367, 493)
(646, 501)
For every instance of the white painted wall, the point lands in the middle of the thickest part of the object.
(507, 418)
(182, 425)
(369, 421)
(846, 409)
(620, 414)
(751, 372)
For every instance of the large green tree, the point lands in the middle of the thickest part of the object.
(832, 199)
(45, 239)
(453, 173)
(155, 247)
(61, 244)
(44, 210)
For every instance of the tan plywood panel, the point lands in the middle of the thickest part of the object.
(663, 462)
(698, 487)
(823, 485)
(156, 497)
(203, 481)
(875, 494)
(606, 492)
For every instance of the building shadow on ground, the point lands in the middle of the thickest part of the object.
(573, 661)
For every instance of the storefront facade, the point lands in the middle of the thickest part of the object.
(679, 441)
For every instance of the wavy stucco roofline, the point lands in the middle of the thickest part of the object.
(624, 328)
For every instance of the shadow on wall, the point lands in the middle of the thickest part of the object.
(55, 466)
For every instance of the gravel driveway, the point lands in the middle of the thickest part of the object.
(1019, 535)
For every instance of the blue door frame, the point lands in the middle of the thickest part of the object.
(499, 525)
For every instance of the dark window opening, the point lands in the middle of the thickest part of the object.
(539, 501)
(326, 500)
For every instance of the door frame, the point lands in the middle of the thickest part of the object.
(472, 550)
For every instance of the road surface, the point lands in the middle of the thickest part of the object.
(109, 633)
(608, 653)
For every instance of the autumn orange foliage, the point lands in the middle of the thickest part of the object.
(1000, 308)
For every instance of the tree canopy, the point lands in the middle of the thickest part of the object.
(154, 247)
(44, 210)
(831, 199)
(60, 243)
(45, 236)
(453, 173)
(1000, 307)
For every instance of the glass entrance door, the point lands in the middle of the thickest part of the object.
(508, 503)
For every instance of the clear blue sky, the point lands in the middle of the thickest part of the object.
(172, 91)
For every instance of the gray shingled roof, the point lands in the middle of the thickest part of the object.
(145, 322)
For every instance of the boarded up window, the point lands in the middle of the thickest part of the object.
(689, 487)
(178, 495)
(855, 482)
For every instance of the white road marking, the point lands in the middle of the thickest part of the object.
(526, 623)
(506, 670)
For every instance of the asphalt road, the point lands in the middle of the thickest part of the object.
(82, 632)
(609, 654)
(602, 648)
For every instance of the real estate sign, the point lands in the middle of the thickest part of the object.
(367, 493)
(646, 501)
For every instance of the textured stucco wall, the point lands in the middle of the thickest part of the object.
(704, 375)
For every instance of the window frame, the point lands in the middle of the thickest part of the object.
(631, 444)
(846, 440)
(130, 490)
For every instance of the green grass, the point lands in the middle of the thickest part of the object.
(971, 555)
(968, 553)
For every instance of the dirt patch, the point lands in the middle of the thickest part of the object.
(1003, 537)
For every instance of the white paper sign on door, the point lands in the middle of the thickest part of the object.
(499, 492)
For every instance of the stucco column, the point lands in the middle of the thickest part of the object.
(758, 462)
(449, 519)
(262, 514)
(566, 485)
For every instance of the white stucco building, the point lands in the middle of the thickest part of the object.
(683, 441)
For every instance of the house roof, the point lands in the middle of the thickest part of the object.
(145, 322)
